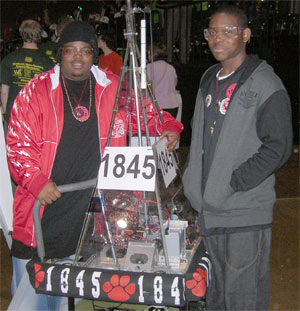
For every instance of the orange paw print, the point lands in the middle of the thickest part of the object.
(39, 275)
(119, 289)
(198, 283)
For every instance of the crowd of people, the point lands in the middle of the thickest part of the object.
(32, 58)
(241, 135)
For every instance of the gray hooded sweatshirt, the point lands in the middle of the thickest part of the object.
(255, 141)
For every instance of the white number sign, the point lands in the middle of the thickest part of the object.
(127, 168)
(166, 161)
(89, 285)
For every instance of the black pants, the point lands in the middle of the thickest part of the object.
(240, 270)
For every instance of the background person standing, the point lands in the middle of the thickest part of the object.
(20, 66)
(163, 78)
(49, 47)
(109, 60)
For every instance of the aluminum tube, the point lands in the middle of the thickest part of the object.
(101, 198)
(136, 100)
(36, 212)
(143, 54)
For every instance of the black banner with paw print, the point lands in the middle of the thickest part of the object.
(123, 286)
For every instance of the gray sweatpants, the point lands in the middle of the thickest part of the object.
(240, 270)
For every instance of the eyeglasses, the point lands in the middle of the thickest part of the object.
(230, 32)
(71, 51)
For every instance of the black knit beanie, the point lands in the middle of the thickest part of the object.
(78, 31)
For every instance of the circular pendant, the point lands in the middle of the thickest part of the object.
(81, 113)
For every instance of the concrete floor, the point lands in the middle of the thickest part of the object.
(285, 244)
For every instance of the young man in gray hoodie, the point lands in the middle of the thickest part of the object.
(242, 134)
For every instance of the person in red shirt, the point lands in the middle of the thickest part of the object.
(109, 60)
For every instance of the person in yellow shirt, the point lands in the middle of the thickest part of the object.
(18, 67)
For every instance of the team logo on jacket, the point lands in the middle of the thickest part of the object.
(230, 90)
(224, 106)
(208, 100)
(225, 102)
(119, 128)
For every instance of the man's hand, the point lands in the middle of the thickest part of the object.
(49, 194)
(172, 139)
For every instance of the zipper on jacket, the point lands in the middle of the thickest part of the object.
(56, 145)
(32, 236)
(98, 116)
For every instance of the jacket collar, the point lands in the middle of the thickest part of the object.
(99, 75)
(250, 64)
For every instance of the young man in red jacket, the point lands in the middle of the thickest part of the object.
(57, 134)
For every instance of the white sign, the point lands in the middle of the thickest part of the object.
(6, 196)
(127, 168)
(166, 161)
